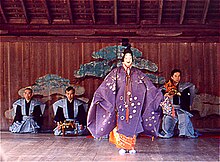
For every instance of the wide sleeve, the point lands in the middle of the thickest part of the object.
(81, 117)
(17, 110)
(101, 117)
(37, 114)
(58, 111)
(18, 115)
(187, 95)
(59, 116)
(151, 109)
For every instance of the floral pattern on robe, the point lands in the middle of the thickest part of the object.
(108, 105)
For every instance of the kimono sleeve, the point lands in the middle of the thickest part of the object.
(58, 111)
(151, 109)
(17, 110)
(101, 115)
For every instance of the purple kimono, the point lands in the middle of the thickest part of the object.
(108, 110)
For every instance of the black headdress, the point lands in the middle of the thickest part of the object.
(127, 50)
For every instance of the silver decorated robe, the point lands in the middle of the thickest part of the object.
(78, 116)
(107, 109)
(27, 123)
(182, 106)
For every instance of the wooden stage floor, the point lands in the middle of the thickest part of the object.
(47, 147)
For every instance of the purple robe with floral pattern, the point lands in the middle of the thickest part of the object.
(108, 106)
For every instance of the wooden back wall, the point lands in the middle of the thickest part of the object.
(22, 62)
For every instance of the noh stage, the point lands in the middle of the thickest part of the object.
(47, 147)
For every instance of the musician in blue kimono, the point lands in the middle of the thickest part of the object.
(28, 114)
(69, 112)
(178, 98)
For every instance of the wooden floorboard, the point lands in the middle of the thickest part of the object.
(47, 147)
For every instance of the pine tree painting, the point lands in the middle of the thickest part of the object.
(110, 57)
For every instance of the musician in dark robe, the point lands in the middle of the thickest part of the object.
(28, 114)
(178, 98)
(69, 110)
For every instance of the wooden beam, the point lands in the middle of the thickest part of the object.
(3, 13)
(109, 39)
(70, 12)
(47, 11)
(120, 32)
(25, 12)
(115, 12)
(110, 27)
(160, 11)
(205, 11)
(183, 9)
(36, 28)
(138, 11)
(92, 11)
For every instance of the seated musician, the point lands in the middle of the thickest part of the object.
(28, 114)
(178, 99)
(69, 113)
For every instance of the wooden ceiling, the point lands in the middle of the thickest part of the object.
(143, 20)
